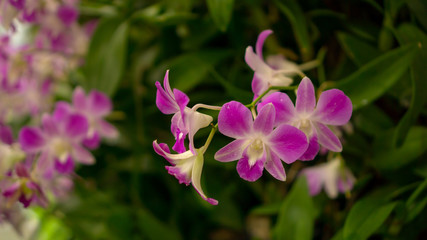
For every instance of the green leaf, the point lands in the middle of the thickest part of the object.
(221, 11)
(269, 209)
(372, 120)
(388, 158)
(296, 17)
(408, 34)
(106, 58)
(297, 214)
(375, 78)
(419, 8)
(365, 217)
(159, 15)
(359, 51)
(154, 229)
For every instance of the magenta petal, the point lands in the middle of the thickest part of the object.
(66, 167)
(79, 98)
(161, 149)
(93, 141)
(49, 125)
(283, 105)
(312, 150)
(333, 108)
(275, 167)
(258, 86)
(105, 129)
(67, 14)
(288, 142)
(164, 102)
(250, 173)
(314, 181)
(178, 174)
(232, 151)
(99, 103)
(62, 111)
(181, 99)
(31, 139)
(264, 121)
(306, 98)
(11, 190)
(260, 41)
(6, 134)
(76, 126)
(82, 155)
(327, 138)
(234, 120)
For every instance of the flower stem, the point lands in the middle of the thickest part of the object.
(199, 105)
(211, 135)
(290, 88)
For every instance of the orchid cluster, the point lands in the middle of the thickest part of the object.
(38, 167)
(269, 131)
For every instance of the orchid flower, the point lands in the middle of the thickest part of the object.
(23, 187)
(332, 176)
(186, 167)
(333, 108)
(185, 121)
(94, 108)
(58, 140)
(257, 144)
(277, 71)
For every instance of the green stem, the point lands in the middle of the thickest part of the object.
(291, 88)
(211, 135)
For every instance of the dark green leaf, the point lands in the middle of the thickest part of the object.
(419, 8)
(297, 214)
(373, 79)
(359, 51)
(221, 11)
(408, 34)
(414, 145)
(107, 56)
(296, 17)
(154, 229)
(270, 209)
(365, 217)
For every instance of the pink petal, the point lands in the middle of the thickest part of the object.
(105, 129)
(288, 142)
(31, 139)
(333, 108)
(164, 102)
(275, 167)
(232, 151)
(255, 62)
(6, 135)
(62, 111)
(314, 180)
(258, 86)
(327, 138)
(79, 98)
(312, 150)
(283, 105)
(49, 125)
(194, 122)
(179, 132)
(181, 99)
(235, 120)
(67, 14)
(260, 41)
(99, 103)
(76, 126)
(93, 141)
(306, 99)
(264, 121)
(182, 177)
(250, 173)
(82, 155)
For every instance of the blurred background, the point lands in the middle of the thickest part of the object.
(375, 51)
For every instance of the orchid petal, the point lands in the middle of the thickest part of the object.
(31, 139)
(250, 172)
(105, 129)
(196, 121)
(79, 98)
(6, 135)
(258, 86)
(288, 142)
(260, 41)
(285, 111)
(82, 155)
(314, 180)
(232, 151)
(255, 62)
(76, 126)
(235, 120)
(306, 99)
(195, 178)
(264, 121)
(312, 150)
(275, 167)
(327, 138)
(333, 108)
(172, 158)
(99, 103)
(49, 125)
(62, 111)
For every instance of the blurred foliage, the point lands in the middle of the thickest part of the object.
(375, 51)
